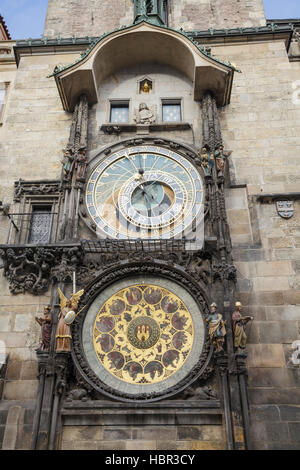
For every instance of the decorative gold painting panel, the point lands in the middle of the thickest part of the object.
(143, 334)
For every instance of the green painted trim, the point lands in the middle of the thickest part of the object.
(93, 44)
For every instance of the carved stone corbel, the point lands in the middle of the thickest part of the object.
(32, 269)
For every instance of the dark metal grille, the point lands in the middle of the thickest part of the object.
(110, 246)
(40, 227)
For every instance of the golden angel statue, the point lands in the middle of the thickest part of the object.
(66, 317)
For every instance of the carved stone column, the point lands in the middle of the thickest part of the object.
(74, 170)
(224, 276)
(42, 358)
(61, 369)
(221, 361)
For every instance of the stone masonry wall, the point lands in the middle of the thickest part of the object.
(205, 437)
(94, 17)
(261, 127)
(34, 132)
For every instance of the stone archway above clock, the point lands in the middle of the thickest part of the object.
(143, 43)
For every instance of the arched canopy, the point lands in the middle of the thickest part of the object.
(140, 44)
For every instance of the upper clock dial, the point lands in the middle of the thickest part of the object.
(144, 192)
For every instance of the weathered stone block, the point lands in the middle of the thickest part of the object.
(5, 322)
(294, 429)
(85, 445)
(265, 413)
(289, 413)
(265, 355)
(24, 437)
(292, 297)
(2, 431)
(22, 322)
(13, 370)
(271, 284)
(3, 416)
(29, 370)
(273, 377)
(111, 445)
(167, 445)
(270, 431)
(82, 433)
(278, 332)
(285, 312)
(188, 433)
(274, 268)
(20, 390)
(119, 434)
(267, 396)
(140, 445)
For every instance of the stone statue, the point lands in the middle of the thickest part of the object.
(217, 331)
(63, 330)
(46, 324)
(199, 393)
(220, 157)
(206, 162)
(68, 164)
(239, 324)
(80, 165)
(144, 115)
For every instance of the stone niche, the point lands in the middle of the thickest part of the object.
(168, 84)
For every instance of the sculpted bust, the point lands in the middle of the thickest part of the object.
(144, 115)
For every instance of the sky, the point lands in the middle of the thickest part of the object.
(25, 18)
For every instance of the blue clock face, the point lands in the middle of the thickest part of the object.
(144, 192)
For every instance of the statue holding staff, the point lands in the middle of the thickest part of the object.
(217, 330)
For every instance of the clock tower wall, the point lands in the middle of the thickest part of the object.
(94, 17)
(124, 87)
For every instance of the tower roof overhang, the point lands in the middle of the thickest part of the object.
(140, 44)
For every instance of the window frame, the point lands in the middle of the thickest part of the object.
(120, 102)
(170, 101)
(41, 204)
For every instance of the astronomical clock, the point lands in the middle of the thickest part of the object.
(143, 336)
(146, 192)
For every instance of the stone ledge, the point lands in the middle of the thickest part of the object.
(107, 406)
(116, 128)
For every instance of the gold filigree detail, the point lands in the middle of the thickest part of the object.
(155, 334)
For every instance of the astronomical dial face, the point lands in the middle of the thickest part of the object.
(144, 192)
(143, 335)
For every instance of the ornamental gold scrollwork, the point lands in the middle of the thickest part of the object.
(143, 334)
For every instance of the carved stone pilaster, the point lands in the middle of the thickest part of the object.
(37, 188)
(224, 271)
(241, 363)
(74, 170)
(212, 137)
